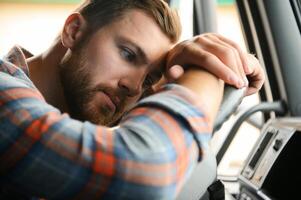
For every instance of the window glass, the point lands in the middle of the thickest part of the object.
(225, 2)
(229, 26)
(31, 25)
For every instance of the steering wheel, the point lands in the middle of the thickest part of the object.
(204, 173)
(231, 99)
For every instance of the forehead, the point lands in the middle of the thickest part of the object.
(141, 29)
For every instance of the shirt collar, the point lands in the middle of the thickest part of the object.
(17, 56)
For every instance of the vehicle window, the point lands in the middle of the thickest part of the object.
(232, 163)
(31, 25)
(228, 24)
(296, 4)
(185, 10)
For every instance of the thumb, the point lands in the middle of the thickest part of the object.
(174, 72)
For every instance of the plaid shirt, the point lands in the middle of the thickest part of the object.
(47, 154)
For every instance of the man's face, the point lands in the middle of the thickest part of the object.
(105, 76)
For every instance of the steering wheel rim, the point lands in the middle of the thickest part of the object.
(231, 100)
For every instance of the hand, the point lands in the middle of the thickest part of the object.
(255, 76)
(218, 55)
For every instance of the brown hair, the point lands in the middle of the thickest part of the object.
(100, 13)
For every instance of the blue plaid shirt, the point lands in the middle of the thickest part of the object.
(47, 154)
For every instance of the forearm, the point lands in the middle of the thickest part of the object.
(207, 87)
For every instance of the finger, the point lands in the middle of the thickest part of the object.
(174, 72)
(243, 55)
(251, 91)
(256, 77)
(158, 85)
(255, 86)
(209, 62)
(237, 58)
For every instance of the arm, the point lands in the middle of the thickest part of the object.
(219, 56)
(47, 154)
(207, 87)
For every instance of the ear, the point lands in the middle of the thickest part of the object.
(74, 29)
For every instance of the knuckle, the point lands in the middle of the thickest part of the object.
(206, 34)
(228, 78)
(199, 39)
(186, 49)
(210, 35)
(208, 46)
(212, 38)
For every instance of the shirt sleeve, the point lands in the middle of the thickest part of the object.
(47, 154)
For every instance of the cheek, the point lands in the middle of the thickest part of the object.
(105, 67)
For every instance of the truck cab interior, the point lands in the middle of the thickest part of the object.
(271, 169)
(271, 30)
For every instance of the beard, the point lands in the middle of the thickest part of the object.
(80, 94)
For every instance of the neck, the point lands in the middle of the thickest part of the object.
(44, 72)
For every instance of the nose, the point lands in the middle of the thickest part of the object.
(131, 84)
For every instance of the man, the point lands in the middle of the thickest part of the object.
(109, 54)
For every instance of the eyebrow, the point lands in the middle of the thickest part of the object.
(141, 53)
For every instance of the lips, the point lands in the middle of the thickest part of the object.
(115, 99)
(109, 101)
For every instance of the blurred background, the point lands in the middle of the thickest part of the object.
(33, 24)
